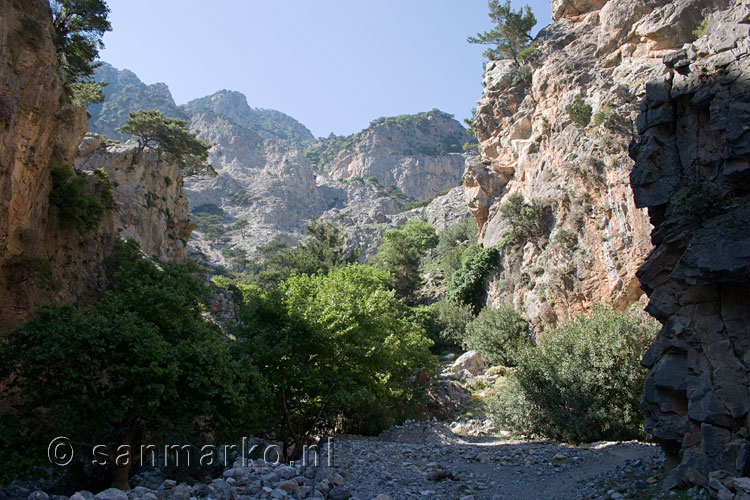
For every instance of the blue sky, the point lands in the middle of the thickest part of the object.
(334, 65)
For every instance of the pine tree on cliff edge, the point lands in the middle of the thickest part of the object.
(511, 33)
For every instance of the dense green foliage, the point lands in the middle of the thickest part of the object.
(701, 30)
(73, 205)
(209, 220)
(176, 143)
(135, 367)
(467, 285)
(330, 345)
(321, 252)
(78, 29)
(444, 322)
(498, 334)
(85, 93)
(510, 35)
(527, 221)
(579, 112)
(582, 382)
(401, 253)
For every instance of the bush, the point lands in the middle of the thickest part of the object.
(467, 284)
(527, 221)
(522, 75)
(583, 381)
(445, 323)
(74, 206)
(579, 112)
(498, 334)
(701, 30)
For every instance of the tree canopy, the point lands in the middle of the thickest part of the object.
(78, 29)
(401, 253)
(328, 346)
(139, 364)
(176, 143)
(510, 34)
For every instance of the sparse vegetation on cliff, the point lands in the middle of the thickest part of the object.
(73, 205)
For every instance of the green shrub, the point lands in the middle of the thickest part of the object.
(567, 239)
(527, 221)
(583, 381)
(74, 206)
(522, 75)
(579, 112)
(701, 30)
(498, 334)
(467, 284)
(445, 323)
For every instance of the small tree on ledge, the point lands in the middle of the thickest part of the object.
(511, 33)
(178, 145)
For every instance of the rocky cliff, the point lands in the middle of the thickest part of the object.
(556, 131)
(273, 174)
(419, 154)
(42, 258)
(692, 172)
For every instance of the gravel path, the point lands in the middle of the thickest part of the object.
(485, 468)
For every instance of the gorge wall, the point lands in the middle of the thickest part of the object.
(692, 172)
(590, 236)
(42, 259)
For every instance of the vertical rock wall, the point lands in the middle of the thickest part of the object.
(692, 172)
(595, 239)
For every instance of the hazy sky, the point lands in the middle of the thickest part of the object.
(334, 65)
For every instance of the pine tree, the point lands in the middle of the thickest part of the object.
(511, 33)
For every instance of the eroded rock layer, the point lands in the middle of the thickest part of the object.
(556, 130)
(692, 172)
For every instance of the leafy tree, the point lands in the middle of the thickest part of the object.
(511, 33)
(240, 225)
(401, 253)
(582, 383)
(322, 252)
(128, 370)
(498, 334)
(237, 256)
(78, 29)
(445, 322)
(85, 93)
(176, 143)
(329, 345)
(467, 285)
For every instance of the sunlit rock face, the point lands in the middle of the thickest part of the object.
(594, 237)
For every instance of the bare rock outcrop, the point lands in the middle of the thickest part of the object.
(692, 172)
(590, 238)
(420, 154)
(148, 204)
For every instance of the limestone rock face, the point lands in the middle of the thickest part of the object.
(593, 237)
(124, 93)
(269, 123)
(36, 131)
(692, 172)
(420, 154)
(148, 204)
